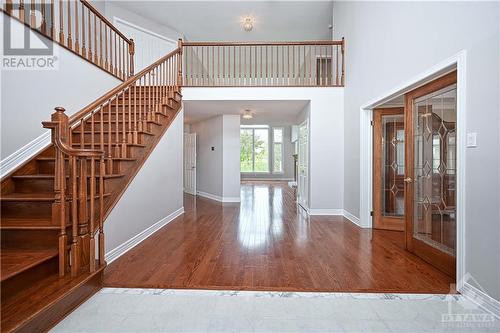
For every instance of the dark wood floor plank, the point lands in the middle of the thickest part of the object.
(265, 243)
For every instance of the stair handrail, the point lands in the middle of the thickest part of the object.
(75, 198)
(79, 27)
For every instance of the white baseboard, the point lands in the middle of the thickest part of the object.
(126, 246)
(354, 219)
(482, 299)
(14, 160)
(217, 197)
(326, 211)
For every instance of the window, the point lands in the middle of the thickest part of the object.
(254, 154)
(277, 150)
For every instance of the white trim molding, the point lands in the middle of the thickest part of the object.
(457, 61)
(326, 211)
(126, 246)
(17, 158)
(218, 197)
(353, 218)
(481, 298)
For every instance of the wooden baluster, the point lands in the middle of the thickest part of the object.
(310, 65)
(32, 15)
(120, 60)
(84, 49)
(131, 51)
(140, 105)
(134, 134)
(129, 134)
(75, 253)
(343, 63)
(101, 212)
(52, 20)
(61, 23)
(83, 228)
(101, 127)
(77, 32)
(106, 62)
(82, 135)
(179, 64)
(9, 7)
(283, 75)
(101, 62)
(305, 65)
(43, 27)
(96, 50)
(124, 127)
(117, 126)
(70, 40)
(110, 131)
(89, 56)
(92, 216)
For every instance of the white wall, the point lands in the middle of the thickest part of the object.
(388, 43)
(231, 157)
(155, 192)
(218, 170)
(209, 162)
(326, 135)
(28, 97)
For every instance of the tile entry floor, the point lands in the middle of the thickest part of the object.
(166, 310)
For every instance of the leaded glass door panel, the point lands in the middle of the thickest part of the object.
(431, 172)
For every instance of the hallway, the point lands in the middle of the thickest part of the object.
(267, 244)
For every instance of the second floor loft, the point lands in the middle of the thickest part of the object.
(79, 27)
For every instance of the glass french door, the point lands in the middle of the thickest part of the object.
(430, 207)
(388, 168)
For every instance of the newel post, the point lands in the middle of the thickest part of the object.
(179, 63)
(60, 131)
(131, 51)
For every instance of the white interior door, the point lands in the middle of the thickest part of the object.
(149, 46)
(190, 163)
(303, 166)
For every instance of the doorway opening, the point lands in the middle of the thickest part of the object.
(415, 170)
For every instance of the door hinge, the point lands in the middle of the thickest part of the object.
(371, 122)
(371, 213)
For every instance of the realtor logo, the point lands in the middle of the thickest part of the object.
(24, 46)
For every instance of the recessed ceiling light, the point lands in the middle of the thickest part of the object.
(247, 23)
(247, 114)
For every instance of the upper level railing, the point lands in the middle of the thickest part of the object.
(264, 64)
(80, 28)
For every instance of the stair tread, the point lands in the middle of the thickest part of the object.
(45, 293)
(18, 260)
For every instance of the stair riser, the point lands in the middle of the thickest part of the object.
(30, 238)
(13, 286)
(147, 126)
(47, 184)
(26, 209)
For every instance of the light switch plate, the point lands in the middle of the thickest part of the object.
(471, 140)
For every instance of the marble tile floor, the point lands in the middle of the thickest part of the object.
(166, 310)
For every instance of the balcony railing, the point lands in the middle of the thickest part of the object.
(264, 64)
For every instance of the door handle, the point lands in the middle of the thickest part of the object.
(408, 180)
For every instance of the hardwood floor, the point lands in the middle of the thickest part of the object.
(267, 244)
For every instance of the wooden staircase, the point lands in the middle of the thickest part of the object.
(53, 206)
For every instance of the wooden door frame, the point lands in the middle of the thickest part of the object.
(459, 62)
(393, 223)
(441, 260)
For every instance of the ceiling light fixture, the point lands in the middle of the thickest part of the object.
(247, 114)
(247, 23)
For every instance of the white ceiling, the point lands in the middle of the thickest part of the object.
(220, 20)
(265, 112)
